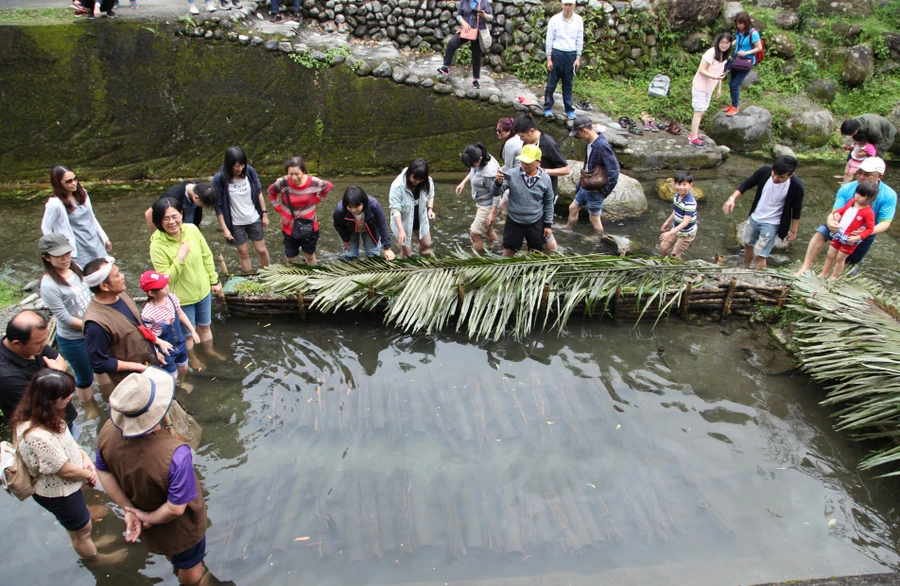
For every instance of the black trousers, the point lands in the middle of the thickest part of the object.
(455, 43)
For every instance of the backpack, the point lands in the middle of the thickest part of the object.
(659, 87)
(762, 47)
(15, 477)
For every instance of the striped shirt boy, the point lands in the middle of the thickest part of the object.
(686, 206)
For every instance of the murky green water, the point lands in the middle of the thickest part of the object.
(343, 453)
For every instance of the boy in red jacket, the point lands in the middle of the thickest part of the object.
(857, 222)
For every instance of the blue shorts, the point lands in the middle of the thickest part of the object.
(190, 557)
(75, 353)
(200, 313)
(592, 200)
(71, 511)
(859, 252)
(177, 358)
(761, 237)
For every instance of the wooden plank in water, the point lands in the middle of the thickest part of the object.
(355, 523)
(455, 539)
(368, 503)
(567, 538)
(497, 410)
(417, 493)
(471, 516)
(400, 488)
(511, 520)
(387, 532)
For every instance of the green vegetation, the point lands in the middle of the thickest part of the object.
(26, 16)
(9, 294)
(252, 288)
(306, 59)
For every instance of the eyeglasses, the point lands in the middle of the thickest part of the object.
(70, 181)
(499, 130)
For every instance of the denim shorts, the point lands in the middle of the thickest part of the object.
(190, 557)
(593, 200)
(200, 313)
(761, 237)
(75, 353)
(71, 511)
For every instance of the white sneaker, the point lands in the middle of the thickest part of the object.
(210, 7)
(193, 9)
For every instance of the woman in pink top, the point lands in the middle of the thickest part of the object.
(709, 76)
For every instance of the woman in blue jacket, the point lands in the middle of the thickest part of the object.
(359, 216)
(241, 207)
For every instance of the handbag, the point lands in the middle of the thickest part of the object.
(741, 64)
(16, 476)
(595, 179)
(302, 229)
(484, 38)
(471, 33)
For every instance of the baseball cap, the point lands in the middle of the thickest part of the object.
(580, 123)
(151, 281)
(54, 244)
(530, 154)
(872, 165)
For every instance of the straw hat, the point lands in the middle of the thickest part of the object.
(141, 400)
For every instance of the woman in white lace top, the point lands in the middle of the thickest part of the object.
(58, 466)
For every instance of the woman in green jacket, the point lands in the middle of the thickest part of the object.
(181, 251)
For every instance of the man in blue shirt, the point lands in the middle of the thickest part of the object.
(871, 169)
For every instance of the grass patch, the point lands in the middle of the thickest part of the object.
(9, 294)
(20, 16)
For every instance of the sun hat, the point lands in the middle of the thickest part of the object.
(141, 400)
(579, 124)
(530, 154)
(872, 165)
(54, 244)
(151, 280)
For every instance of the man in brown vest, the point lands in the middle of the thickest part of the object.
(149, 472)
(117, 342)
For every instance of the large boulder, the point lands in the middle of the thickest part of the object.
(894, 117)
(779, 45)
(746, 131)
(697, 42)
(787, 19)
(751, 79)
(685, 14)
(809, 124)
(665, 189)
(626, 201)
(814, 48)
(854, 8)
(892, 40)
(858, 65)
(731, 10)
(822, 90)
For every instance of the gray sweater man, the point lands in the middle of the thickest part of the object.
(530, 203)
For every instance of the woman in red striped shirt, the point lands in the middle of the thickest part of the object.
(296, 196)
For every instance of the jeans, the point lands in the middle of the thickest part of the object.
(371, 247)
(75, 353)
(455, 43)
(275, 8)
(734, 84)
(563, 69)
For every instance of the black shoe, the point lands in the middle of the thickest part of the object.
(475, 84)
(111, 14)
(276, 18)
(444, 70)
(236, 4)
(223, 4)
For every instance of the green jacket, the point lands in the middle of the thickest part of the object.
(192, 278)
(879, 130)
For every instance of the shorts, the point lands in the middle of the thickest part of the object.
(678, 244)
(176, 359)
(71, 511)
(761, 237)
(514, 233)
(860, 250)
(190, 557)
(292, 246)
(480, 225)
(700, 100)
(845, 248)
(254, 232)
(200, 313)
(75, 353)
(852, 166)
(592, 200)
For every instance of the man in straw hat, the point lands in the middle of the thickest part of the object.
(117, 342)
(530, 205)
(149, 472)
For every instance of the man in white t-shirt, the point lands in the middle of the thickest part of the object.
(775, 210)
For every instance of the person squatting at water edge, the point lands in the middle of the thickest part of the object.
(116, 341)
(530, 207)
(775, 210)
(599, 153)
(482, 170)
(180, 251)
(359, 219)
(884, 206)
(412, 206)
(69, 212)
(149, 472)
(241, 207)
(296, 196)
(59, 467)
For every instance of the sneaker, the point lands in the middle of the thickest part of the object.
(548, 113)
(276, 18)
(224, 5)
(733, 112)
(111, 14)
(192, 8)
(475, 84)
(210, 7)
(443, 70)
(696, 141)
(570, 115)
(236, 4)
(726, 108)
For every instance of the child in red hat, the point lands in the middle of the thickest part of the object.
(163, 315)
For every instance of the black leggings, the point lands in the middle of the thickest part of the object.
(455, 43)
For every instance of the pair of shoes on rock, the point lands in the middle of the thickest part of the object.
(584, 105)
(628, 124)
(730, 110)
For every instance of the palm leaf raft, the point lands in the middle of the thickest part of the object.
(849, 338)
(489, 296)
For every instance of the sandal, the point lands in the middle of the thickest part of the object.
(674, 128)
(634, 129)
(625, 122)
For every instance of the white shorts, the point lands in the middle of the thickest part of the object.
(700, 100)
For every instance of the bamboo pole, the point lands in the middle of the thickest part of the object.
(497, 409)
(376, 398)
(574, 514)
(388, 534)
(301, 305)
(417, 492)
(363, 409)
(395, 412)
(479, 421)
(513, 541)
(685, 299)
(567, 537)
(417, 408)
(471, 517)
(222, 266)
(577, 438)
(355, 520)
(455, 539)
(783, 295)
(400, 487)
(439, 418)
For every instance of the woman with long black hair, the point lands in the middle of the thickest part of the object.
(412, 207)
(69, 212)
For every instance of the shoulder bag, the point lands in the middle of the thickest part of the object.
(741, 63)
(16, 476)
(471, 33)
(484, 35)
(302, 229)
(595, 179)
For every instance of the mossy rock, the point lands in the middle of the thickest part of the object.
(665, 189)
